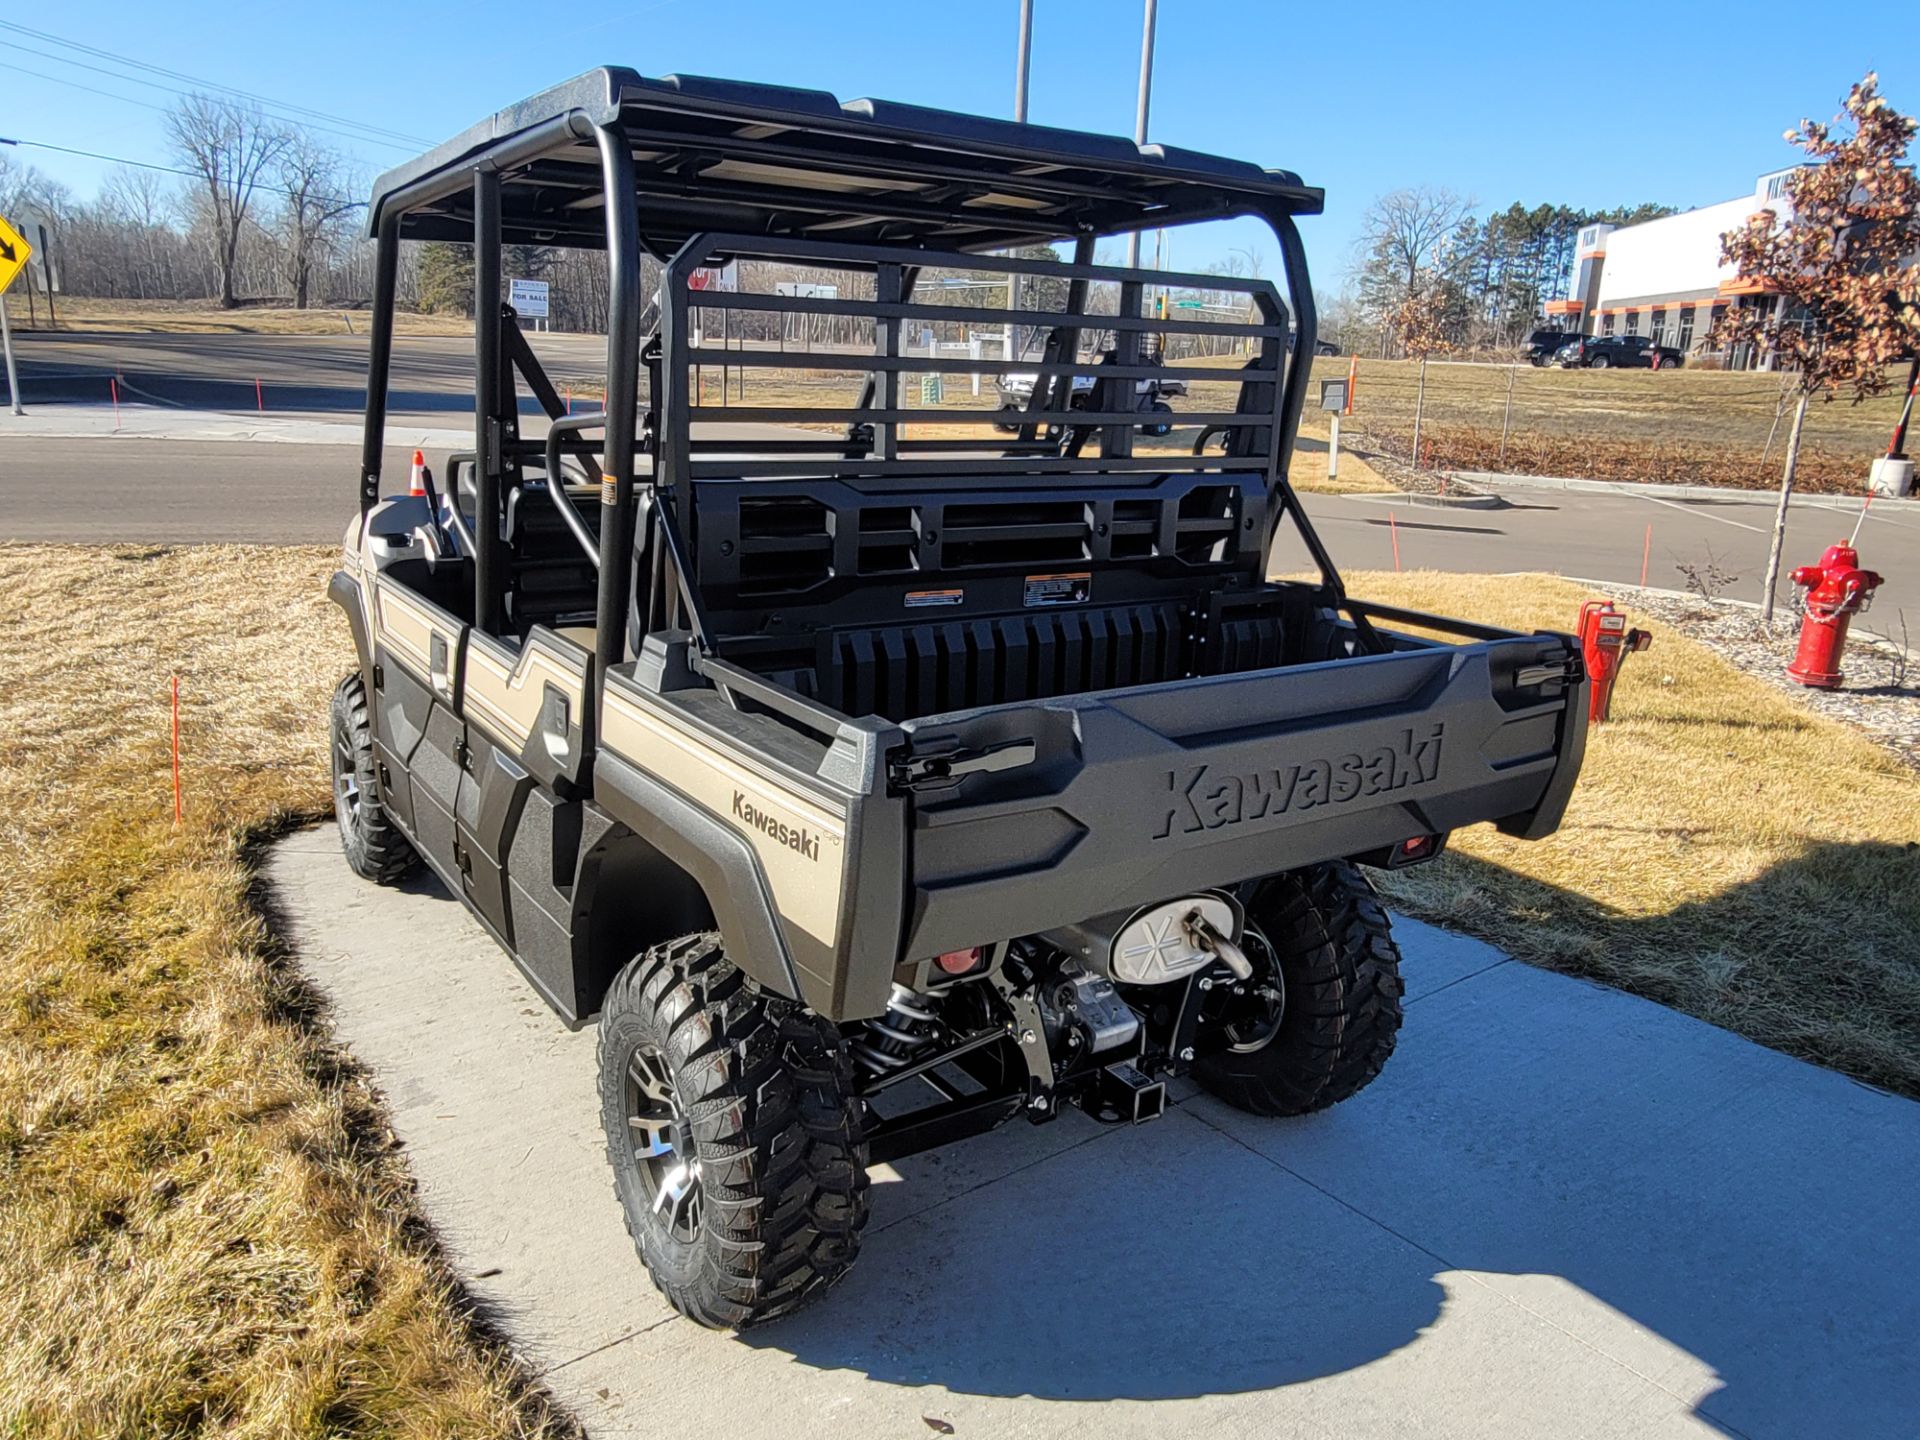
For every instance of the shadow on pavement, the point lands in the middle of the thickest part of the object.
(1722, 1220)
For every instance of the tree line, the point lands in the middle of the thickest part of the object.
(1482, 278)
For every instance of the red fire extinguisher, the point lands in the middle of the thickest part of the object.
(1837, 590)
(1605, 642)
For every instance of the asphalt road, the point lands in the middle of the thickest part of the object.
(178, 490)
(431, 382)
(175, 491)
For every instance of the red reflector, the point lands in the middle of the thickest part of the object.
(1418, 846)
(959, 962)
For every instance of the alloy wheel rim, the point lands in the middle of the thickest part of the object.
(662, 1144)
(346, 784)
(1253, 1032)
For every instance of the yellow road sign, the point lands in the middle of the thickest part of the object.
(14, 252)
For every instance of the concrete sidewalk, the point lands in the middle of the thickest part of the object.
(132, 421)
(1561, 1212)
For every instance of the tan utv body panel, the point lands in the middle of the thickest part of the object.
(801, 846)
(504, 695)
(408, 626)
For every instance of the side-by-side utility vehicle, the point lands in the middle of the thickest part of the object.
(873, 775)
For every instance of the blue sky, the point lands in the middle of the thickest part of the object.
(1681, 103)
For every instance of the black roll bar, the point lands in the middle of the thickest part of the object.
(386, 272)
(1293, 256)
(489, 561)
(562, 501)
(623, 398)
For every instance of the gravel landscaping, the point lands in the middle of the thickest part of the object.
(1881, 693)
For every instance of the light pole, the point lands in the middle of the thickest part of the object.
(1140, 112)
(1022, 65)
(1023, 59)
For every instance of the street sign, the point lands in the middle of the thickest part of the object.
(14, 254)
(528, 298)
(1333, 395)
(715, 277)
(1191, 305)
(806, 290)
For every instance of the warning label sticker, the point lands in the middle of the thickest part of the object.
(1071, 588)
(916, 599)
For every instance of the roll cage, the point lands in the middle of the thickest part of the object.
(696, 172)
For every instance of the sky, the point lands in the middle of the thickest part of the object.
(1680, 103)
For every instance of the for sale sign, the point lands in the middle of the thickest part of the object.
(528, 298)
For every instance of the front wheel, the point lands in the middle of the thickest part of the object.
(374, 847)
(734, 1133)
(1334, 1008)
(1599, 362)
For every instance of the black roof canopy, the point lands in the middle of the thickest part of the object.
(734, 156)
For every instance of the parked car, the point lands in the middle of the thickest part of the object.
(1617, 352)
(1543, 345)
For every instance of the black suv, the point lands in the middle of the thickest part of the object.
(1542, 345)
(1619, 352)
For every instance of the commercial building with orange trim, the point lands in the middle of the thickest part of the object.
(1665, 278)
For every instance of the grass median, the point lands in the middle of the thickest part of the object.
(1728, 851)
(206, 1224)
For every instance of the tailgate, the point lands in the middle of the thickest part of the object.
(1087, 804)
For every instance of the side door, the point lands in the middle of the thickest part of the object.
(527, 710)
(420, 742)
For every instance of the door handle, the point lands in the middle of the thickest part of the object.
(439, 663)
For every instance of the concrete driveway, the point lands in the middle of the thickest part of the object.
(1561, 1212)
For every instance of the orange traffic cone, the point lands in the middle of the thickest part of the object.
(416, 484)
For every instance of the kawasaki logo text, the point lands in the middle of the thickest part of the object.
(1203, 798)
(794, 837)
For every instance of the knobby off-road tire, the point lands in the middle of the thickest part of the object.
(1341, 974)
(374, 848)
(762, 1115)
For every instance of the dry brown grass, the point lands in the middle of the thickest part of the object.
(205, 1223)
(200, 317)
(1728, 852)
(1703, 426)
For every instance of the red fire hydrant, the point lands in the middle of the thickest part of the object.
(1837, 590)
(1605, 642)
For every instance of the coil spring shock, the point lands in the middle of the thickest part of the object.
(895, 1039)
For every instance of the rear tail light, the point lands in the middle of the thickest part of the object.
(1412, 851)
(960, 962)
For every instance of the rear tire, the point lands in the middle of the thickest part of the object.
(1599, 362)
(1158, 428)
(1340, 974)
(374, 847)
(734, 1134)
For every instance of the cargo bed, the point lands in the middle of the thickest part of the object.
(971, 826)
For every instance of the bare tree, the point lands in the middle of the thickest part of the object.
(316, 183)
(1419, 324)
(229, 148)
(1402, 235)
(1849, 302)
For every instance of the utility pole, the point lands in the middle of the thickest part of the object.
(1140, 113)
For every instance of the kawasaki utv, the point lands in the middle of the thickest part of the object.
(875, 777)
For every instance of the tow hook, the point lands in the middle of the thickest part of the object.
(1204, 937)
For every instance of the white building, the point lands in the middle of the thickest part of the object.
(1665, 278)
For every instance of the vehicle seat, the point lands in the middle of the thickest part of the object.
(550, 580)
